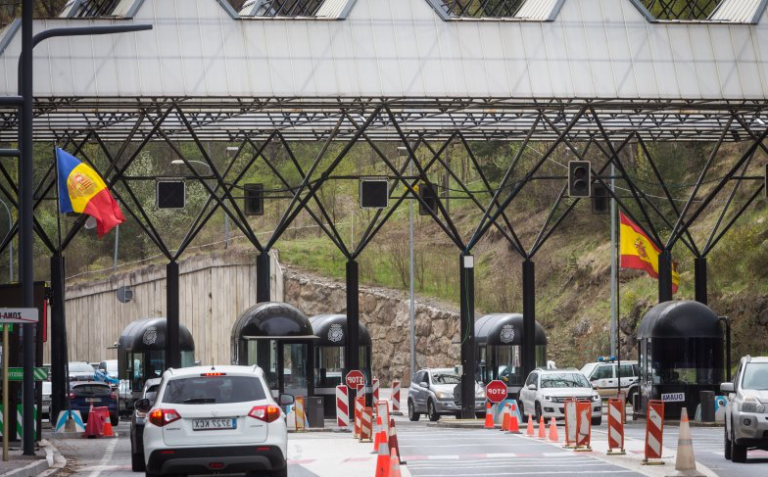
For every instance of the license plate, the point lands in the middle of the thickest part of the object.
(92, 399)
(213, 424)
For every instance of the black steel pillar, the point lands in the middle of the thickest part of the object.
(700, 279)
(262, 277)
(529, 317)
(26, 239)
(665, 276)
(172, 349)
(352, 349)
(59, 355)
(467, 334)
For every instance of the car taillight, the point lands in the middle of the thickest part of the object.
(265, 413)
(161, 417)
(71, 395)
(212, 375)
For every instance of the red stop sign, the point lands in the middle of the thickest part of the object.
(496, 391)
(355, 378)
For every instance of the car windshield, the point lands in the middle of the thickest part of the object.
(80, 368)
(213, 389)
(756, 377)
(564, 380)
(91, 390)
(444, 378)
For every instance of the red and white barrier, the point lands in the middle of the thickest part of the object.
(342, 406)
(395, 398)
(359, 406)
(583, 425)
(570, 422)
(615, 426)
(375, 382)
(382, 409)
(654, 431)
(366, 425)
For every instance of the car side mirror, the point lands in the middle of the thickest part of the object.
(286, 399)
(424, 384)
(727, 388)
(593, 378)
(531, 387)
(143, 405)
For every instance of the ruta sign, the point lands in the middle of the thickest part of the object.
(355, 378)
(496, 391)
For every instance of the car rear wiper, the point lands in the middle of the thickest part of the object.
(198, 401)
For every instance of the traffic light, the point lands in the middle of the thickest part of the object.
(579, 179)
(600, 199)
(171, 194)
(374, 193)
(254, 199)
(428, 197)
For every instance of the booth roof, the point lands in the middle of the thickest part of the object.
(680, 319)
(332, 330)
(504, 329)
(149, 333)
(278, 320)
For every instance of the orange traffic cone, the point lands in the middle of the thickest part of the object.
(685, 462)
(488, 416)
(542, 428)
(505, 419)
(383, 462)
(377, 439)
(394, 446)
(529, 431)
(394, 465)
(553, 431)
(108, 427)
(514, 426)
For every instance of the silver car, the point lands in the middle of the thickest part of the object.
(746, 414)
(436, 392)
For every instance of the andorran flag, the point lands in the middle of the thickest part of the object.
(83, 191)
(639, 252)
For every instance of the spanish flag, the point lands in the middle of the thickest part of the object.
(639, 252)
(82, 190)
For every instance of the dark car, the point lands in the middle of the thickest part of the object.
(138, 419)
(83, 395)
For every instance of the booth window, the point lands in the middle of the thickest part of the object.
(295, 368)
(264, 354)
(679, 361)
(330, 364)
(187, 359)
(136, 371)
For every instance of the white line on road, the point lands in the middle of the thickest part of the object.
(107, 457)
(564, 472)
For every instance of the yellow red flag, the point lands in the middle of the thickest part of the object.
(639, 252)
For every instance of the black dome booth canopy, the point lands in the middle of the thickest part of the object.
(278, 337)
(499, 338)
(681, 354)
(329, 356)
(141, 351)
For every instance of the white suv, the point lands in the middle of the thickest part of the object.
(545, 392)
(218, 420)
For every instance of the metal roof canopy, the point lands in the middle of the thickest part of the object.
(489, 79)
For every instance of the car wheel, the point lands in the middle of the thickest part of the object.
(432, 412)
(631, 397)
(596, 421)
(137, 462)
(738, 453)
(538, 414)
(726, 444)
(413, 416)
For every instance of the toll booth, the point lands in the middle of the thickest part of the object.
(141, 352)
(279, 339)
(499, 338)
(681, 354)
(11, 297)
(330, 365)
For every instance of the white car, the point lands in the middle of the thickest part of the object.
(546, 390)
(602, 375)
(215, 419)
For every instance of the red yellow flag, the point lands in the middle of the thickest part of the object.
(639, 252)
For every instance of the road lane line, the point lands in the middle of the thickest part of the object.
(559, 472)
(107, 457)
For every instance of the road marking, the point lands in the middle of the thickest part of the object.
(107, 457)
(558, 472)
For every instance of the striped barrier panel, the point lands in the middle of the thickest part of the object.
(583, 425)
(366, 425)
(616, 426)
(300, 414)
(654, 432)
(375, 391)
(570, 422)
(382, 409)
(61, 423)
(395, 398)
(342, 406)
(359, 407)
(19, 421)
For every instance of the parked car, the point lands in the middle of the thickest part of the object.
(745, 414)
(545, 392)
(80, 371)
(46, 408)
(218, 420)
(603, 374)
(83, 395)
(437, 392)
(138, 420)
